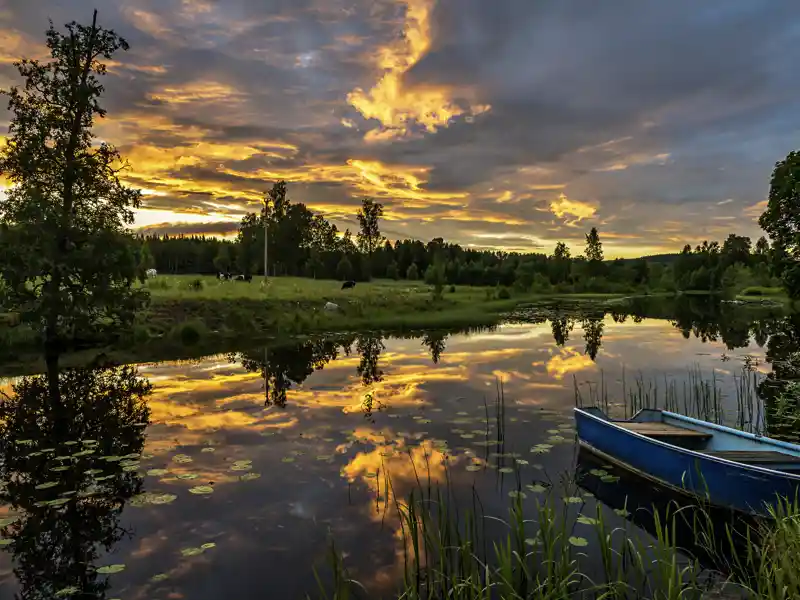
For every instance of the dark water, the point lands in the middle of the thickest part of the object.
(217, 485)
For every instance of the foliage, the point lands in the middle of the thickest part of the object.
(594, 247)
(67, 258)
(369, 237)
(781, 219)
(412, 274)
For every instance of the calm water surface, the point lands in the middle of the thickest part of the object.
(217, 485)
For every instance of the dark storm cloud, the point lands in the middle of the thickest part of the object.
(225, 228)
(639, 111)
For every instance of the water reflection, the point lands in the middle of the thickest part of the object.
(65, 437)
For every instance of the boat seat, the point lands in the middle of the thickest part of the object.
(665, 430)
(756, 457)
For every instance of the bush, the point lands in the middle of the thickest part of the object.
(503, 293)
(190, 332)
(452, 289)
(196, 285)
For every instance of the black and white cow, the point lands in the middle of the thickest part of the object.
(348, 284)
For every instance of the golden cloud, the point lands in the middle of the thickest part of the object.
(569, 361)
(563, 207)
(396, 106)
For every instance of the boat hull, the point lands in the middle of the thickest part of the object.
(721, 482)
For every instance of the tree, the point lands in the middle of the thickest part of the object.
(434, 276)
(412, 274)
(223, 259)
(146, 261)
(594, 247)
(781, 219)
(560, 263)
(71, 263)
(762, 249)
(369, 237)
(247, 243)
(735, 249)
(344, 270)
(391, 271)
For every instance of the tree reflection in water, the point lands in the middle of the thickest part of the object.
(61, 436)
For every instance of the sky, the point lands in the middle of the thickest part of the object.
(508, 124)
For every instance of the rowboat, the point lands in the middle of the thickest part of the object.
(722, 466)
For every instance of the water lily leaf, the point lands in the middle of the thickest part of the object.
(93, 471)
(89, 442)
(557, 439)
(532, 541)
(584, 520)
(159, 577)
(573, 500)
(86, 452)
(111, 569)
(521, 461)
(152, 498)
(474, 467)
(157, 472)
(191, 551)
(609, 479)
(130, 468)
(249, 476)
(329, 456)
(4, 522)
(5, 541)
(541, 448)
(578, 541)
(536, 488)
(182, 458)
(109, 458)
(61, 468)
(67, 591)
(104, 478)
(517, 494)
(622, 512)
(57, 502)
(287, 459)
(208, 449)
(467, 436)
(598, 472)
(208, 545)
(506, 470)
(188, 476)
(70, 443)
(201, 489)
(242, 467)
(46, 485)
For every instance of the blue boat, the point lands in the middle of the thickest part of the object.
(722, 466)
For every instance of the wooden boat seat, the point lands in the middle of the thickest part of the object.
(756, 457)
(665, 430)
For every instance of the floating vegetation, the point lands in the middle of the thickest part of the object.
(609, 479)
(208, 449)
(536, 488)
(188, 476)
(242, 465)
(152, 498)
(60, 469)
(157, 472)
(182, 458)
(584, 520)
(541, 448)
(249, 476)
(109, 569)
(505, 470)
(578, 541)
(573, 500)
(598, 472)
(474, 467)
(67, 591)
(517, 494)
(5, 541)
(47, 485)
(6, 521)
(288, 459)
(201, 489)
(159, 577)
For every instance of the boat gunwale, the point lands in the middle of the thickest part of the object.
(694, 453)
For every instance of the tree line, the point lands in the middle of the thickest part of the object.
(69, 260)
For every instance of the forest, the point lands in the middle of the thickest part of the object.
(302, 243)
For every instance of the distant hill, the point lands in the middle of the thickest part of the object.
(664, 259)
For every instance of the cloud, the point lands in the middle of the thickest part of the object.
(479, 122)
(216, 228)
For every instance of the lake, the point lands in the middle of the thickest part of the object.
(235, 472)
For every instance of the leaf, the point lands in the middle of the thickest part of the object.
(6, 521)
(191, 551)
(517, 494)
(249, 476)
(201, 489)
(182, 458)
(536, 488)
(506, 470)
(474, 467)
(46, 485)
(622, 512)
(241, 467)
(111, 569)
(5, 541)
(208, 545)
(159, 577)
(208, 449)
(578, 541)
(584, 520)
(187, 476)
(609, 479)
(573, 500)
(598, 472)
(532, 541)
(67, 591)
(288, 459)
(157, 472)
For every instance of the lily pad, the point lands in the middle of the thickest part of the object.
(188, 476)
(288, 459)
(621, 512)
(474, 467)
(157, 472)
(159, 577)
(57, 502)
(60, 468)
(208, 545)
(573, 500)
(584, 520)
(249, 476)
(532, 541)
(4, 522)
(67, 591)
(536, 488)
(201, 489)
(598, 472)
(191, 551)
(152, 498)
(241, 467)
(517, 494)
(578, 541)
(208, 449)
(46, 485)
(182, 458)
(506, 470)
(111, 569)
(609, 479)
(5, 541)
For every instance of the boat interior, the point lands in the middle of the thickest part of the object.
(720, 443)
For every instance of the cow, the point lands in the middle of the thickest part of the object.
(150, 273)
(348, 284)
(224, 276)
(247, 278)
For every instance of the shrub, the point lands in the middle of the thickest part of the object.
(196, 285)
(412, 274)
(452, 289)
(503, 293)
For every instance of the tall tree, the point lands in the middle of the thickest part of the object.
(71, 262)
(781, 221)
(248, 248)
(369, 236)
(594, 247)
